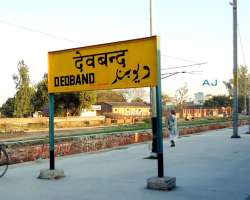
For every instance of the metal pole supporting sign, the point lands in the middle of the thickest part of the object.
(159, 115)
(160, 182)
(51, 132)
(51, 173)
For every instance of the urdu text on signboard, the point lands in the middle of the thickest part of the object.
(126, 64)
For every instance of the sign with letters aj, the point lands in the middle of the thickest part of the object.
(125, 64)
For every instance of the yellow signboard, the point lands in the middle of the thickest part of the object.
(125, 64)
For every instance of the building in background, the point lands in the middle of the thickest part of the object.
(90, 112)
(140, 109)
(199, 98)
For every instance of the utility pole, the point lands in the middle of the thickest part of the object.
(153, 102)
(235, 72)
(248, 114)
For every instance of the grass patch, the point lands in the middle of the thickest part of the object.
(117, 128)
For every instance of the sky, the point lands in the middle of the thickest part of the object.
(190, 32)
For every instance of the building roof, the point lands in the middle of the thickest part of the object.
(127, 104)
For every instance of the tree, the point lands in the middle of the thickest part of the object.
(73, 103)
(67, 103)
(181, 95)
(40, 98)
(137, 99)
(7, 108)
(110, 96)
(22, 105)
(87, 99)
(218, 101)
(243, 86)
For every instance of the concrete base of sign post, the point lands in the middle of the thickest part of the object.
(51, 174)
(163, 183)
(235, 136)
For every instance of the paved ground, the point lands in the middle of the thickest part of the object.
(207, 166)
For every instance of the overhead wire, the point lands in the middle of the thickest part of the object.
(169, 74)
(77, 42)
(195, 64)
(38, 31)
(241, 46)
(163, 76)
(178, 58)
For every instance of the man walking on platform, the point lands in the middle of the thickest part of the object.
(172, 127)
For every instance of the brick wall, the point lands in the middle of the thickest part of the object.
(32, 150)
